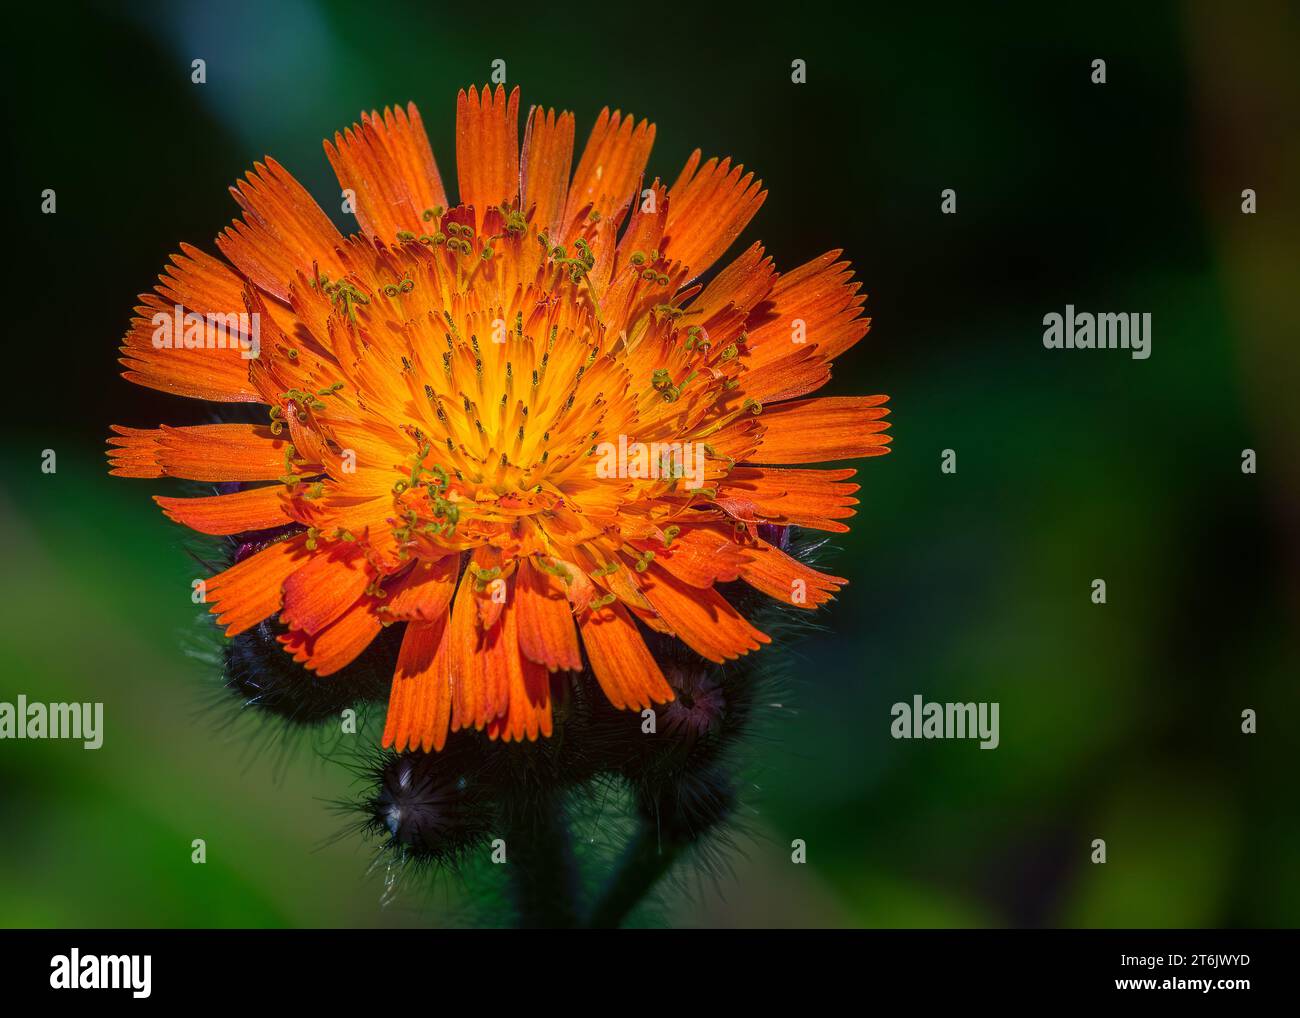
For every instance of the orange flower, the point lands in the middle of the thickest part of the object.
(515, 424)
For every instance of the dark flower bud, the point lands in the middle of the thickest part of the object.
(681, 811)
(699, 710)
(428, 807)
(264, 677)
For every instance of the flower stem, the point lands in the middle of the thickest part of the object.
(644, 861)
(544, 874)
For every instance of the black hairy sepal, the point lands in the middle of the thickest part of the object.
(262, 677)
(428, 809)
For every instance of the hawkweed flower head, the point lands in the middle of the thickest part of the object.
(520, 427)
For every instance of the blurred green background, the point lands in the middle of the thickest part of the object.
(1119, 721)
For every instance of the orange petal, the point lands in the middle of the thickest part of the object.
(204, 452)
(698, 556)
(194, 282)
(338, 644)
(546, 632)
(822, 295)
(282, 233)
(776, 574)
(817, 430)
(610, 168)
(702, 619)
(485, 648)
(255, 509)
(805, 498)
(325, 587)
(489, 595)
(527, 712)
(387, 162)
(800, 371)
(547, 159)
(419, 706)
(251, 590)
(487, 148)
(708, 208)
(623, 665)
(473, 705)
(616, 575)
(742, 285)
(645, 228)
(424, 593)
